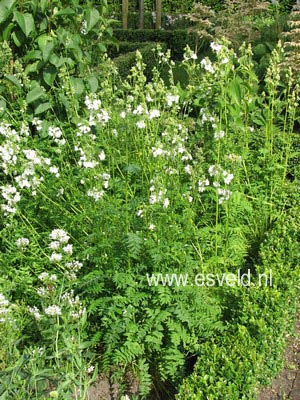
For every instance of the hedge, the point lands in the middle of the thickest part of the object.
(249, 354)
(175, 40)
(126, 61)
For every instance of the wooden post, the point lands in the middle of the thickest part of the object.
(141, 13)
(125, 14)
(158, 14)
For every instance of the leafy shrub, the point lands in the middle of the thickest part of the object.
(125, 62)
(249, 354)
(175, 40)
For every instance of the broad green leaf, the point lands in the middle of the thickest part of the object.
(92, 17)
(12, 79)
(77, 85)
(25, 22)
(34, 95)
(93, 83)
(65, 11)
(42, 108)
(43, 5)
(56, 60)
(102, 47)
(18, 38)
(47, 50)
(234, 90)
(33, 55)
(34, 67)
(7, 31)
(6, 8)
(43, 40)
(49, 75)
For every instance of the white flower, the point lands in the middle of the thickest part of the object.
(216, 47)
(207, 65)
(41, 291)
(151, 227)
(54, 245)
(68, 249)
(227, 177)
(141, 124)
(188, 169)
(92, 103)
(219, 135)
(139, 110)
(54, 170)
(172, 99)
(90, 369)
(102, 156)
(55, 257)
(22, 242)
(224, 194)
(123, 114)
(157, 151)
(166, 203)
(213, 170)
(154, 114)
(202, 185)
(60, 235)
(53, 310)
(96, 194)
(103, 117)
(35, 312)
(139, 213)
(43, 276)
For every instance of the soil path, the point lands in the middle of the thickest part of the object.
(287, 384)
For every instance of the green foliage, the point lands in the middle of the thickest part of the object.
(50, 38)
(126, 190)
(175, 40)
(250, 352)
(125, 62)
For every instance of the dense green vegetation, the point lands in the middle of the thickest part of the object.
(149, 223)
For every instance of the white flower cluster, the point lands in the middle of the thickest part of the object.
(12, 197)
(83, 129)
(35, 312)
(3, 307)
(59, 243)
(10, 148)
(56, 134)
(189, 55)
(216, 47)
(92, 103)
(158, 196)
(172, 99)
(95, 193)
(72, 268)
(53, 310)
(207, 65)
(219, 135)
(22, 242)
(77, 309)
(202, 185)
(206, 117)
(224, 194)
(97, 115)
